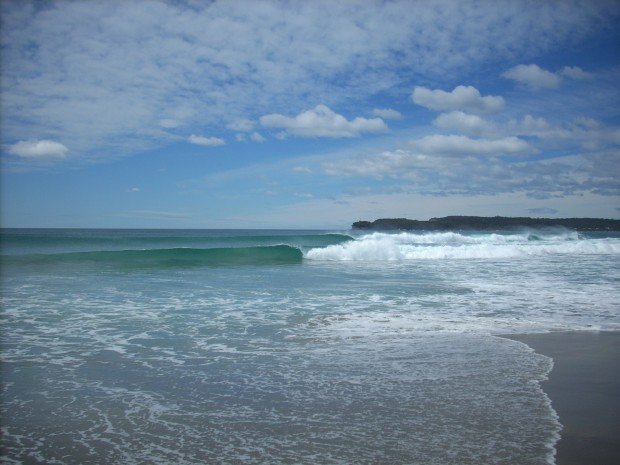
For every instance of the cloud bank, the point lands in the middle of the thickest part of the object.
(116, 77)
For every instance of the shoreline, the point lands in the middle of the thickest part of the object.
(584, 389)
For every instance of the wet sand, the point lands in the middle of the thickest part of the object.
(584, 388)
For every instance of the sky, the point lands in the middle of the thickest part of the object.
(306, 114)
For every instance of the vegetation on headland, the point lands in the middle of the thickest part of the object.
(488, 223)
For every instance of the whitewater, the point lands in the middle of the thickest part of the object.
(275, 347)
(450, 245)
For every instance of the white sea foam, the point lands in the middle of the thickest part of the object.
(437, 246)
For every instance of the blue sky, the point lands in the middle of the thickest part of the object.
(232, 114)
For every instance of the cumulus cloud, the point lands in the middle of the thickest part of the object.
(533, 76)
(456, 145)
(387, 113)
(465, 98)
(321, 121)
(533, 125)
(576, 72)
(38, 149)
(205, 141)
(464, 122)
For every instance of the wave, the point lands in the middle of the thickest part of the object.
(294, 248)
(168, 258)
(50, 241)
(450, 245)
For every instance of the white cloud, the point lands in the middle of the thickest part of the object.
(177, 116)
(257, 137)
(465, 98)
(281, 135)
(533, 125)
(169, 123)
(241, 125)
(38, 149)
(198, 64)
(590, 133)
(464, 122)
(533, 76)
(321, 121)
(453, 145)
(587, 123)
(444, 174)
(134, 189)
(390, 163)
(206, 141)
(387, 113)
(576, 72)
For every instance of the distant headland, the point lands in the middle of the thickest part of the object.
(488, 223)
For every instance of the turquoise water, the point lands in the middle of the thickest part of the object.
(227, 347)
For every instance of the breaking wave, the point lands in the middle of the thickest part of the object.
(452, 245)
(294, 249)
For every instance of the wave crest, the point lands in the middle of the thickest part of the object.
(169, 258)
(450, 245)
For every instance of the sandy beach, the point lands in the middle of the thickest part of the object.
(584, 387)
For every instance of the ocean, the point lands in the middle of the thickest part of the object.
(290, 347)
